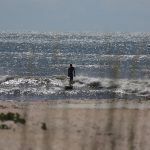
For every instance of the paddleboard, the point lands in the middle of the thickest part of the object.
(69, 87)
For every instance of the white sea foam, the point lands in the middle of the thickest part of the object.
(82, 85)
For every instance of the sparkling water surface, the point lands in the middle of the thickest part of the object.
(108, 65)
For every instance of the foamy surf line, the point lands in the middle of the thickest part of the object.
(77, 104)
(84, 87)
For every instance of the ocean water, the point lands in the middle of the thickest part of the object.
(108, 65)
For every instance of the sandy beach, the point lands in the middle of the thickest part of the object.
(77, 125)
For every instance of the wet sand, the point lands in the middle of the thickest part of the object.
(77, 125)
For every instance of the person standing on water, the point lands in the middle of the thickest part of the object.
(71, 73)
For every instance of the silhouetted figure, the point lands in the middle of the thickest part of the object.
(71, 73)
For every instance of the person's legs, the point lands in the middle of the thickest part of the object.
(71, 80)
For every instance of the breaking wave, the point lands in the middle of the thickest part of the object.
(53, 87)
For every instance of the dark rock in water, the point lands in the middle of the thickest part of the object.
(95, 85)
(68, 87)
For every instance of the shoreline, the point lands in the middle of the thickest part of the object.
(83, 104)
